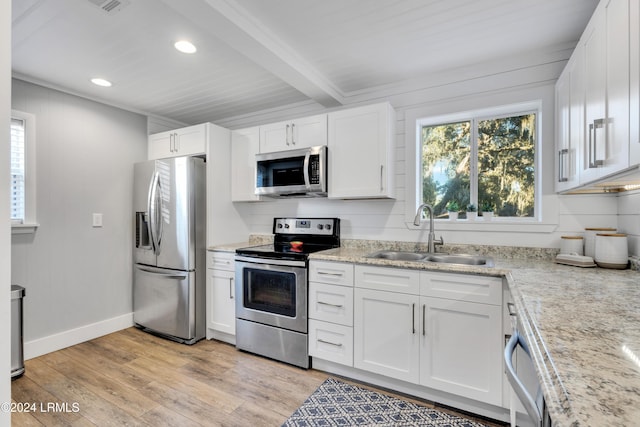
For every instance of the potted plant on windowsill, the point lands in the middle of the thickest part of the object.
(487, 211)
(453, 208)
(472, 212)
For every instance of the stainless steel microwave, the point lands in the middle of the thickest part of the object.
(291, 173)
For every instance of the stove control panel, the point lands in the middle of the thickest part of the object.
(318, 226)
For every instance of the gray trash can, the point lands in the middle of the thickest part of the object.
(17, 352)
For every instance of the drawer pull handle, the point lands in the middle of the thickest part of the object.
(325, 273)
(329, 304)
(413, 318)
(330, 343)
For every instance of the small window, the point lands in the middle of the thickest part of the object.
(17, 170)
(485, 160)
(22, 197)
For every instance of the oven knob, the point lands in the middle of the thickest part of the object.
(320, 226)
(286, 226)
(328, 226)
(279, 225)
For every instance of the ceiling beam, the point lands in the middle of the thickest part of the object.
(231, 23)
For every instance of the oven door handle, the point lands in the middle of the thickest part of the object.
(516, 384)
(257, 259)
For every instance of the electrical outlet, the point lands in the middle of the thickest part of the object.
(97, 220)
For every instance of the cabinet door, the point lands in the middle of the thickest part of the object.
(221, 309)
(606, 50)
(160, 145)
(291, 134)
(634, 91)
(566, 150)
(275, 137)
(461, 348)
(191, 140)
(361, 152)
(187, 141)
(245, 144)
(576, 117)
(595, 94)
(617, 106)
(385, 330)
(309, 131)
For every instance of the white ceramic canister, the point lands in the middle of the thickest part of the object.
(612, 250)
(571, 245)
(590, 239)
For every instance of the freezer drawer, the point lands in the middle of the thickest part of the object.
(164, 302)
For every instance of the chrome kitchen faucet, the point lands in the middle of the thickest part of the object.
(431, 243)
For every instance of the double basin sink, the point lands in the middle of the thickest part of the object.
(462, 259)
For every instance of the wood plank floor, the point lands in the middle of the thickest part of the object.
(133, 378)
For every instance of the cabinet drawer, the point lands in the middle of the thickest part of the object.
(388, 279)
(337, 273)
(221, 260)
(331, 303)
(331, 342)
(462, 287)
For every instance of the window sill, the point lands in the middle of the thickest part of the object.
(494, 226)
(24, 228)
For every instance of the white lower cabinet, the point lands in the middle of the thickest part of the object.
(386, 340)
(220, 305)
(330, 341)
(461, 348)
(331, 311)
(442, 331)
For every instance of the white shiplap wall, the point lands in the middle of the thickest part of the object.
(387, 219)
(629, 219)
(77, 277)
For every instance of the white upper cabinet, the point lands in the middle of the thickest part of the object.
(292, 134)
(569, 123)
(605, 45)
(361, 152)
(245, 144)
(188, 141)
(634, 66)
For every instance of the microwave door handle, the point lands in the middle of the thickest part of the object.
(307, 181)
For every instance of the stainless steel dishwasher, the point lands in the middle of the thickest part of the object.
(526, 387)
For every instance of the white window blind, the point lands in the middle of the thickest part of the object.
(18, 195)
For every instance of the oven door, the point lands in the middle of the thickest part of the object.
(272, 292)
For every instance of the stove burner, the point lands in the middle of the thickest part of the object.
(296, 238)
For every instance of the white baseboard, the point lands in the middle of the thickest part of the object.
(75, 336)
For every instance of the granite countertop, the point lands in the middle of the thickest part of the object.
(584, 334)
(583, 328)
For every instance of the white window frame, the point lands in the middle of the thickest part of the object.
(416, 119)
(29, 224)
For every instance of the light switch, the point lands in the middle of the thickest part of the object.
(97, 220)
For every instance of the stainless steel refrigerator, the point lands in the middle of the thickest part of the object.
(169, 248)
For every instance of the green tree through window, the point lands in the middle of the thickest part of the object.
(488, 161)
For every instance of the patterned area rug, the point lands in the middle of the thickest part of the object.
(336, 403)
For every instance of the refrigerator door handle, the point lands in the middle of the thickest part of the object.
(161, 273)
(154, 211)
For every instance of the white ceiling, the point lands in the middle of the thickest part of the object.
(261, 54)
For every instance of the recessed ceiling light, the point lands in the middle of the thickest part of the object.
(185, 46)
(101, 82)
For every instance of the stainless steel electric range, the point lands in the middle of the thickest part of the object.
(272, 288)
